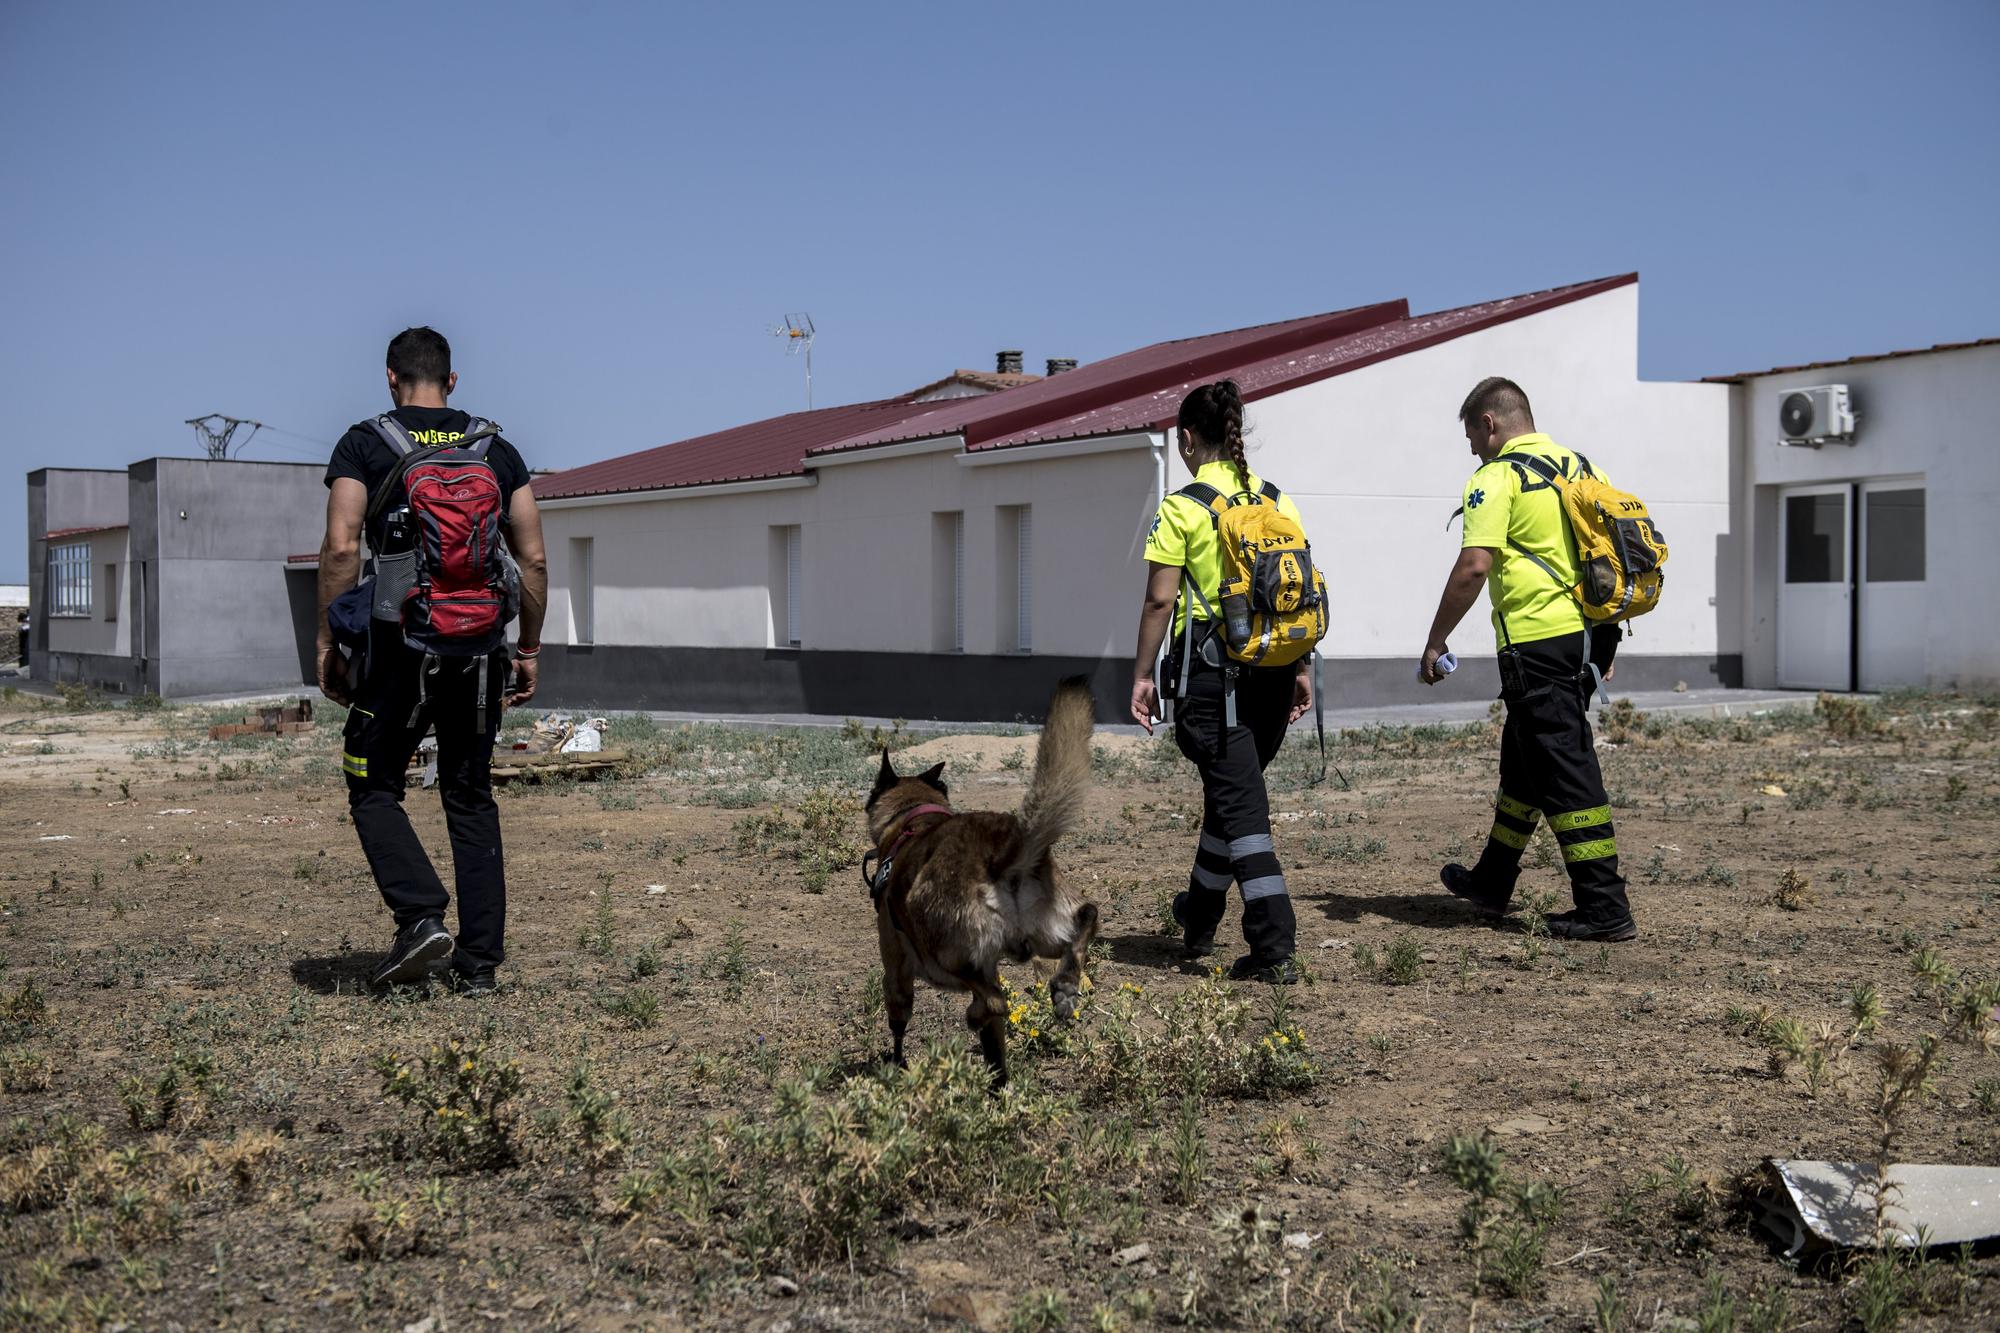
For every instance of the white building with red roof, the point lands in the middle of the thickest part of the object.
(950, 558)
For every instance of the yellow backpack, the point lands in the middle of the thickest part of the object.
(1619, 553)
(1273, 596)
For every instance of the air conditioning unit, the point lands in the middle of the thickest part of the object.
(1815, 416)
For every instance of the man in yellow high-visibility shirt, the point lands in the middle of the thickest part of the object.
(1517, 544)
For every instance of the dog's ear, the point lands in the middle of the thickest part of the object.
(885, 778)
(934, 777)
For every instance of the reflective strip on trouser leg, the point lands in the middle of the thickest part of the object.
(1585, 835)
(1254, 857)
(1211, 864)
(1513, 823)
(354, 765)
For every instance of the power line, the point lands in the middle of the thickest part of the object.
(216, 432)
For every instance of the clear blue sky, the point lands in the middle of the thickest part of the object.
(222, 207)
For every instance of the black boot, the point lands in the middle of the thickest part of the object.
(1269, 928)
(1199, 912)
(1466, 884)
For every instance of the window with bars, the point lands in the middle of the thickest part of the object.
(69, 579)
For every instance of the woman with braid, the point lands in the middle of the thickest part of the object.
(1236, 811)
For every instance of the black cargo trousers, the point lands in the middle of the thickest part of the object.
(1548, 769)
(395, 705)
(1236, 841)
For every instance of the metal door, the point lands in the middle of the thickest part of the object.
(1815, 588)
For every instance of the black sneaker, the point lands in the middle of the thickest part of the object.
(1192, 945)
(474, 981)
(1458, 880)
(418, 948)
(1275, 972)
(1569, 926)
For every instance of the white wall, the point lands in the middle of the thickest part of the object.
(695, 570)
(1377, 460)
(1925, 415)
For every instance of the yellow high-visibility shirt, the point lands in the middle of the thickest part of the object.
(1506, 506)
(1184, 535)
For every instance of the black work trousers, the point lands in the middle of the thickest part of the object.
(1236, 838)
(1548, 769)
(402, 696)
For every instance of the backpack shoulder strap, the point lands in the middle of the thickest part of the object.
(1208, 497)
(1583, 466)
(1269, 492)
(479, 434)
(1538, 465)
(393, 435)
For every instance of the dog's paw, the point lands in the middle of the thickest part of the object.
(1065, 1000)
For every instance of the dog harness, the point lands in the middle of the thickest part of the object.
(878, 878)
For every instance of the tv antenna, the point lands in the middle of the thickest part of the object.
(798, 335)
(216, 431)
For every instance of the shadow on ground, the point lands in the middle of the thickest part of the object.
(1433, 911)
(338, 974)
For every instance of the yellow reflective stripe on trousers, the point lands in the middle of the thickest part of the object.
(355, 765)
(1507, 805)
(1591, 818)
(1590, 851)
(1507, 837)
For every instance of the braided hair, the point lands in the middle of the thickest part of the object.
(1215, 413)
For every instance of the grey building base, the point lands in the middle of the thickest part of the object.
(100, 671)
(964, 688)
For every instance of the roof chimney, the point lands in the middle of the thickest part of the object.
(1059, 364)
(1009, 362)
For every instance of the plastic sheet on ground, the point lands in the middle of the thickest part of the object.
(1832, 1204)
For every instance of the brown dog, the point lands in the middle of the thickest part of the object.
(957, 893)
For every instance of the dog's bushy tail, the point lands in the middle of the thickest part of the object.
(1062, 773)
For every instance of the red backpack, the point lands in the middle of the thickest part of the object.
(464, 587)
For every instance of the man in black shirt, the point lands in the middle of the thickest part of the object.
(394, 694)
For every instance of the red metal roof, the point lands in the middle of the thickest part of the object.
(1284, 371)
(1139, 390)
(753, 452)
(1090, 387)
(1849, 361)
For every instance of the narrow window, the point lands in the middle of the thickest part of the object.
(787, 584)
(948, 582)
(792, 544)
(1024, 620)
(111, 592)
(582, 591)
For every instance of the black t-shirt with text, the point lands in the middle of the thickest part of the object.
(366, 457)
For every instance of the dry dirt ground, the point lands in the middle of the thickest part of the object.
(673, 1115)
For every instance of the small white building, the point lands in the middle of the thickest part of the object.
(1862, 494)
(951, 559)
